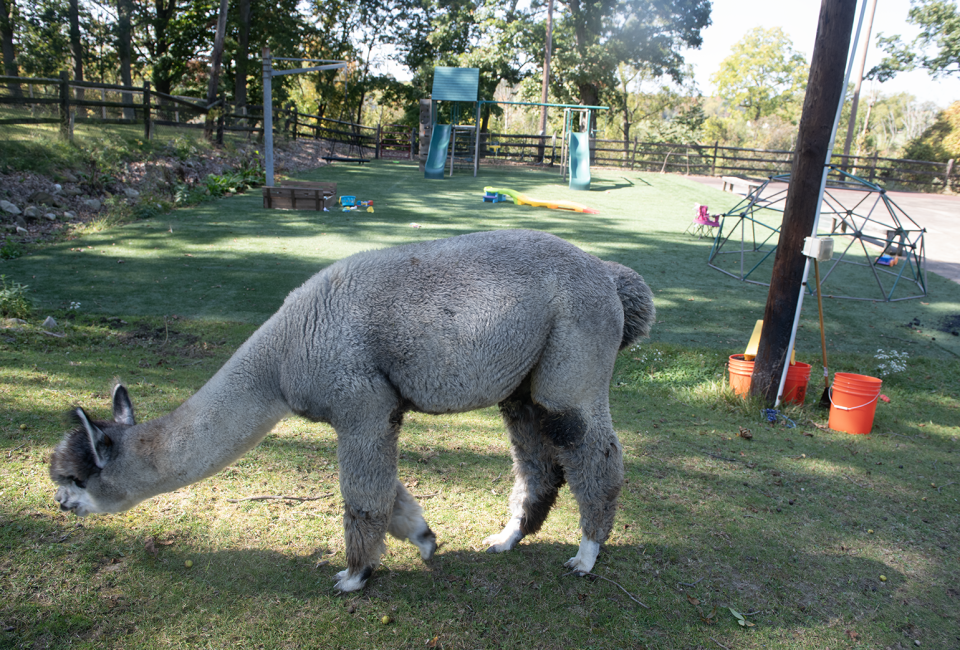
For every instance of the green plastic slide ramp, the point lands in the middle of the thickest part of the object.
(579, 161)
(437, 156)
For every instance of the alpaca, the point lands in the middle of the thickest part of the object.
(517, 318)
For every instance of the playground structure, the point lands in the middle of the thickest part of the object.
(575, 147)
(268, 74)
(457, 86)
(461, 85)
(876, 234)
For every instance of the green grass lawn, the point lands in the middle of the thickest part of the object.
(791, 527)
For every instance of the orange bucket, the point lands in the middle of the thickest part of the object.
(740, 372)
(794, 389)
(853, 402)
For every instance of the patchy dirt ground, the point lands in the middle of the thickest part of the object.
(72, 197)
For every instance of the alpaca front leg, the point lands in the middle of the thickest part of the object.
(364, 534)
(407, 523)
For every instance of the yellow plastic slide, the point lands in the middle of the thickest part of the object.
(523, 199)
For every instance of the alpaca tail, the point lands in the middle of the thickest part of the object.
(639, 314)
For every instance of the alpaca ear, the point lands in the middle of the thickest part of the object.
(98, 439)
(122, 407)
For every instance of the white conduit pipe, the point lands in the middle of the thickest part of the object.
(816, 218)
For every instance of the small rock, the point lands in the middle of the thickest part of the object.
(69, 214)
(50, 216)
(32, 212)
(46, 198)
(49, 323)
(21, 223)
(92, 204)
(57, 188)
(9, 208)
(68, 177)
(72, 191)
(131, 193)
(22, 231)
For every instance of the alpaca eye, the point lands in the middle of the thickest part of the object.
(80, 484)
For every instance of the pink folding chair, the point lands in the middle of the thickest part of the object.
(703, 224)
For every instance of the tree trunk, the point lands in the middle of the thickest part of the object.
(216, 58)
(76, 48)
(162, 73)
(243, 51)
(124, 51)
(10, 67)
(824, 93)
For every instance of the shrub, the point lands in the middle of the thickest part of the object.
(14, 302)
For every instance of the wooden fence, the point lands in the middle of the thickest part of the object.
(66, 102)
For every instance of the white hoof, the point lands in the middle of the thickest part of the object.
(506, 539)
(346, 582)
(585, 558)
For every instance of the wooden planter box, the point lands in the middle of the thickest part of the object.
(300, 195)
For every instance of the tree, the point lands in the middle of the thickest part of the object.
(10, 67)
(936, 49)
(763, 75)
(593, 37)
(216, 59)
(124, 32)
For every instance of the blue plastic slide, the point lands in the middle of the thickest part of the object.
(579, 161)
(437, 156)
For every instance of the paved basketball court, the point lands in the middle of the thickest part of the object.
(939, 214)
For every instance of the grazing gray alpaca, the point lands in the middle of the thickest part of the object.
(516, 318)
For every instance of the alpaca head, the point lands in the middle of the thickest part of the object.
(81, 464)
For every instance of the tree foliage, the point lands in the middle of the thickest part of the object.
(763, 75)
(936, 48)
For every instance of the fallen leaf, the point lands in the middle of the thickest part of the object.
(853, 635)
(150, 547)
(693, 601)
(746, 434)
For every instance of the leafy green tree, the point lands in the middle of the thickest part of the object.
(763, 75)
(591, 39)
(940, 142)
(936, 48)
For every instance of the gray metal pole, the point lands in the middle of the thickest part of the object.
(268, 116)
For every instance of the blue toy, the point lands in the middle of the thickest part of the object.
(494, 197)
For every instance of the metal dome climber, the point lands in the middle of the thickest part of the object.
(880, 237)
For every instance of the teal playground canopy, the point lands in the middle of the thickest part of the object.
(455, 84)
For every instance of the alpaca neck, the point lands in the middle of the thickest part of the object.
(228, 416)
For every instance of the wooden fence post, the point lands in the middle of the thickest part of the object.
(147, 120)
(713, 167)
(65, 131)
(946, 177)
(873, 166)
(379, 134)
(413, 141)
(296, 121)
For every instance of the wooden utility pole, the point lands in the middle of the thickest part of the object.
(814, 139)
(857, 83)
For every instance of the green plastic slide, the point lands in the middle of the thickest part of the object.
(437, 156)
(579, 161)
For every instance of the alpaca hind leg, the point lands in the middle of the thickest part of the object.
(594, 470)
(407, 523)
(537, 474)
